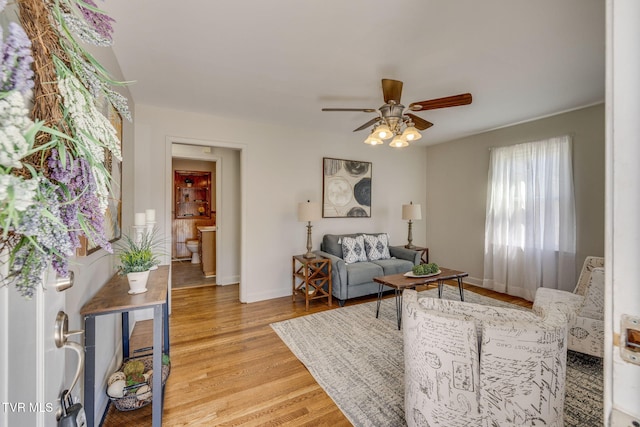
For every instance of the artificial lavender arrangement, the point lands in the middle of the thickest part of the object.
(53, 182)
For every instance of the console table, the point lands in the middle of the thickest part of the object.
(112, 298)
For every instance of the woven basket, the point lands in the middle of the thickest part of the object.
(130, 401)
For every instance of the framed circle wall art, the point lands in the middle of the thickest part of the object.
(346, 188)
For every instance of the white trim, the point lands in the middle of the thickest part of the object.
(41, 336)
(4, 339)
(608, 216)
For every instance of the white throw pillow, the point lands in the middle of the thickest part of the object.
(353, 249)
(377, 246)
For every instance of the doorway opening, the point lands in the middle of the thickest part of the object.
(226, 213)
(193, 235)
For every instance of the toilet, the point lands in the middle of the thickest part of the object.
(192, 245)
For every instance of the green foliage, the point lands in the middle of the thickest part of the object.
(424, 269)
(136, 256)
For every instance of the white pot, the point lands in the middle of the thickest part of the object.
(138, 282)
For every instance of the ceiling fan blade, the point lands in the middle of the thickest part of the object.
(448, 101)
(391, 89)
(369, 123)
(419, 122)
(366, 110)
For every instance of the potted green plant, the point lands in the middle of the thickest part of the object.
(136, 259)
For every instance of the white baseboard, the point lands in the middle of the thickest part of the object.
(473, 281)
(230, 280)
(262, 296)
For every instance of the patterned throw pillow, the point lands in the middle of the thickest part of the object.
(377, 246)
(353, 249)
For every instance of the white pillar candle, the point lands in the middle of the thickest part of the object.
(139, 219)
(150, 215)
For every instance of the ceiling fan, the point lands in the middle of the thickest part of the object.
(393, 116)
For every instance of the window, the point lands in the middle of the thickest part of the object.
(530, 223)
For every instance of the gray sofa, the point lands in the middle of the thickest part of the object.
(356, 279)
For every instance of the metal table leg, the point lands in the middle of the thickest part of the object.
(398, 293)
(379, 299)
(165, 317)
(89, 368)
(460, 288)
(157, 367)
(125, 335)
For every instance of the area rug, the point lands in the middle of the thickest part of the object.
(358, 360)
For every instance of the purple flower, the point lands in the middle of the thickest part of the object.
(15, 68)
(27, 269)
(78, 197)
(99, 21)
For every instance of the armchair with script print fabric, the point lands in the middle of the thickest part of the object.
(473, 365)
(584, 308)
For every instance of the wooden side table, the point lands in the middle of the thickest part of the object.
(424, 256)
(313, 274)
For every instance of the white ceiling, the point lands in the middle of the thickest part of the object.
(281, 61)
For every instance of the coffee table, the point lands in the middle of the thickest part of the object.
(400, 282)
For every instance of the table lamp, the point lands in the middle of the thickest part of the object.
(411, 212)
(308, 211)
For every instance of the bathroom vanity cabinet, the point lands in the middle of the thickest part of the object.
(207, 237)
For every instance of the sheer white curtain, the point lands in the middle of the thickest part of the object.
(530, 237)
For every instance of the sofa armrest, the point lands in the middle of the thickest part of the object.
(404, 253)
(338, 274)
(547, 299)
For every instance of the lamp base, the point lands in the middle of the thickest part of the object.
(410, 246)
(309, 254)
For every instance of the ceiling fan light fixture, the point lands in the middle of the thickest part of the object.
(373, 140)
(411, 134)
(398, 142)
(383, 132)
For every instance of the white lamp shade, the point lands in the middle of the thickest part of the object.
(383, 132)
(398, 142)
(411, 212)
(373, 140)
(308, 211)
(411, 134)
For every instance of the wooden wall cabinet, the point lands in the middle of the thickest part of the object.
(192, 195)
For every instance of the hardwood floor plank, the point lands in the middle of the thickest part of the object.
(229, 368)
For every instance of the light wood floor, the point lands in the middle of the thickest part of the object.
(187, 275)
(230, 368)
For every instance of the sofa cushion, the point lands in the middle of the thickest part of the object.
(362, 272)
(394, 265)
(353, 249)
(377, 246)
(332, 243)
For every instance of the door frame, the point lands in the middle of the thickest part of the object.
(242, 148)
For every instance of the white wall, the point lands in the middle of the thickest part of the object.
(283, 167)
(457, 188)
(93, 271)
